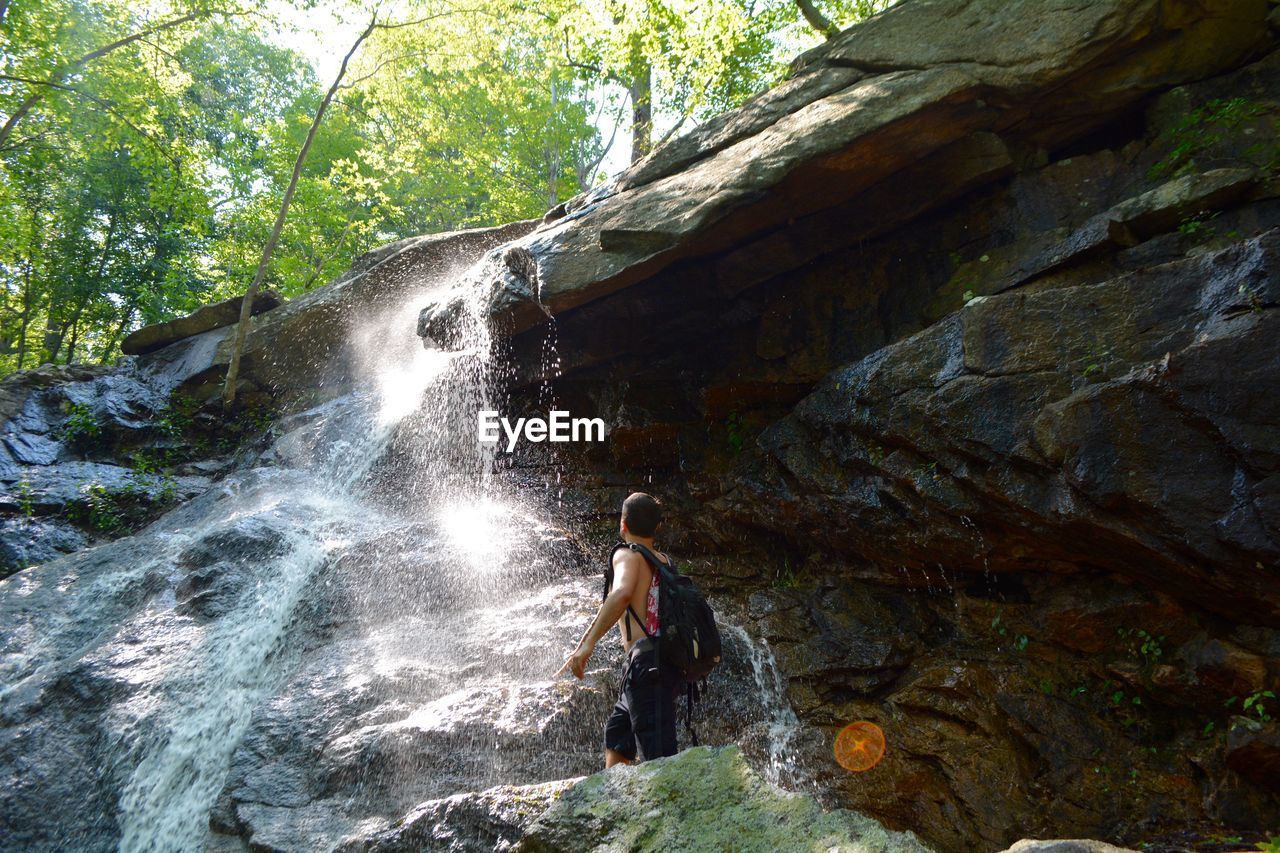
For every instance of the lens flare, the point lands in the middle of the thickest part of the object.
(859, 746)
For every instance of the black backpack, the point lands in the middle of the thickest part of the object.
(688, 639)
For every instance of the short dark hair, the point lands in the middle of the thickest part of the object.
(642, 513)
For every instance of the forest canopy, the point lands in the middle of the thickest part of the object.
(145, 148)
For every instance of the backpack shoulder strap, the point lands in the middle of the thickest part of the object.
(608, 570)
(652, 558)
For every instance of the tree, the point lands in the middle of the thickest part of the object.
(685, 60)
(149, 173)
(57, 76)
(246, 305)
(112, 184)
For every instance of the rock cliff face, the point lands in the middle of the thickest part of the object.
(955, 360)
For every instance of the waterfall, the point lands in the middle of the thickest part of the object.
(210, 678)
(360, 619)
(781, 726)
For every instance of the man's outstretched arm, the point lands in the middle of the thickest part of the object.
(626, 568)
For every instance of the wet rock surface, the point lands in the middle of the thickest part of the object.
(1061, 422)
(495, 819)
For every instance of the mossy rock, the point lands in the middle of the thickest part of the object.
(702, 799)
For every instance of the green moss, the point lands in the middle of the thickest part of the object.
(1201, 129)
(702, 799)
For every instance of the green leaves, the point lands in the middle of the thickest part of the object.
(146, 147)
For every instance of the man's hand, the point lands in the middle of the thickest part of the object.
(577, 662)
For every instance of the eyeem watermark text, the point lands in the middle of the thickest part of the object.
(557, 426)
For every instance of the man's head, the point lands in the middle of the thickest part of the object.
(641, 515)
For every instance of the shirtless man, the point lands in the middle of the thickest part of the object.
(645, 712)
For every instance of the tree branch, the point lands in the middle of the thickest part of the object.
(65, 71)
(421, 54)
(594, 69)
(106, 105)
(817, 20)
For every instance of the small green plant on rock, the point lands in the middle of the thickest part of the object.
(1124, 705)
(1255, 704)
(26, 496)
(735, 435)
(99, 508)
(876, 452)
(1104, 774)
(260, 418)
(1252, 296)
(116, 510)
(1199, 130)
(997, 624)
(925, 469)
(82, 427)
(1272, 845)
(1148, 648)
(176, 418)
(146, 462)
(1096, 359)
(788, 577)
(1197, 225)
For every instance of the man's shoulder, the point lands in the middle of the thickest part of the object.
(628, 557)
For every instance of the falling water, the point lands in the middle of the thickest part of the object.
(212, 677)
(369, 512)
(782, 767)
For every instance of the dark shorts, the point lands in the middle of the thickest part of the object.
(646, 709)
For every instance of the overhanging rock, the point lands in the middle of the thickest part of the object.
(875, 110)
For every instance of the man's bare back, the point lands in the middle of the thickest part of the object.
(626, 560)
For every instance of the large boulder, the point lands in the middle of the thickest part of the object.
(1091, 424)
(701, 799)
(209, 317)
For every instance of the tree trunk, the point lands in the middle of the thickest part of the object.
(71, 343)
(126, 316)
(816, 19)
(246, 305)
(641, 90)
(72, 327)
(552, 149)
(26, 312)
